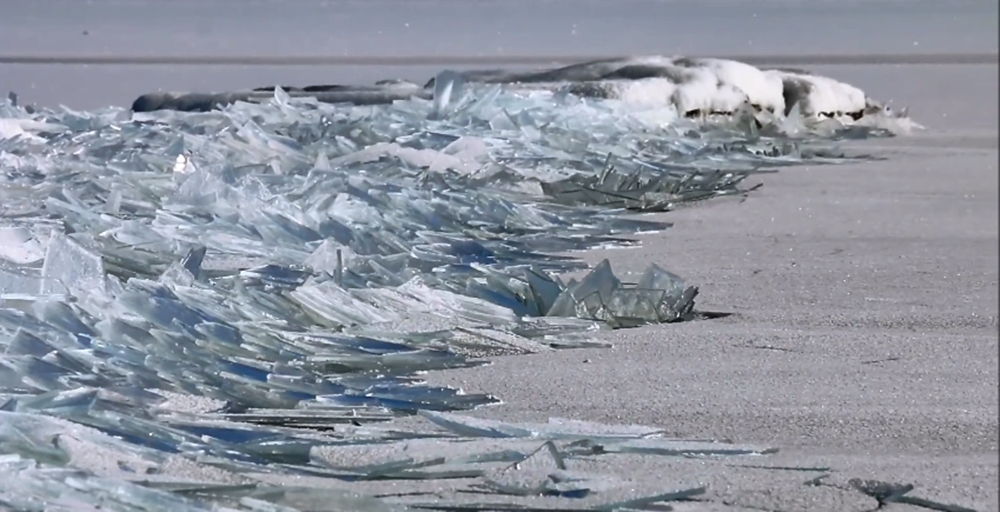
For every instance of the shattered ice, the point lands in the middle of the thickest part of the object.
(298, 263)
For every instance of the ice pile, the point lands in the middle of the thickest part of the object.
(703, 89)
(297, 263)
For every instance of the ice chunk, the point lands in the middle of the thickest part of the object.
(437, 161)
(186, 271)
(684, 448)
(588, 298)
(447, 88)
(677, 298)
(646, 501)
(18, 245)
(535, 474)
(12, 128)
(330, 257)
(329, 304)
(659, 297)
(556, 428)
(71, 268)
(14, 284)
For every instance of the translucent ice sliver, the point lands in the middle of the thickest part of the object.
(447, 88)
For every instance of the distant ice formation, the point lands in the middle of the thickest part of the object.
(696, 88)
(701, 88)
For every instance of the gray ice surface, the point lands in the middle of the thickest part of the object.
(866, 316)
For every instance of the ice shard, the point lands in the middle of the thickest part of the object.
(447, 85)
(659, 297)
(70, 268)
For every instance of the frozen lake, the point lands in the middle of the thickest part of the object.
(859, 301)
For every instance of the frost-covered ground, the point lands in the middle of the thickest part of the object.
(863, 344)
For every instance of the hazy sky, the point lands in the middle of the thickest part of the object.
(511, 27)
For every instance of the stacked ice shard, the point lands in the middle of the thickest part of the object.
(296, 263)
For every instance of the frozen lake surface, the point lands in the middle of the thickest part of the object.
(246, 307)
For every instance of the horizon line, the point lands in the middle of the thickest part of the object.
(472, 60)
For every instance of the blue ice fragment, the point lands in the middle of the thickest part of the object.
(447, 87)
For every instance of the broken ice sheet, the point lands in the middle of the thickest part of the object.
(684, 448)
(431, 458)
(25, 483)
(557, 428)
(18, 283)
(447, 87)
(264, 272)
(71, 268)
(540, 473)
(18, 245)
(644, 190)
(294, 499)
(660, 296)
(592, 438)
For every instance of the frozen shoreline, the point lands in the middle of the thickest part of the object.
(865, 328)
(864, 338)
(863, 343)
